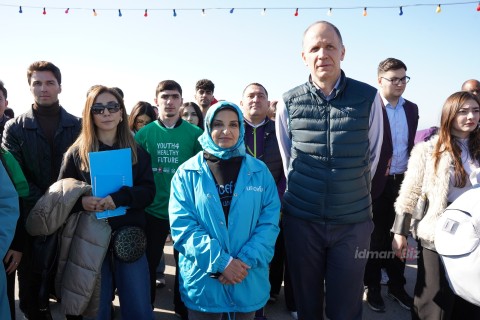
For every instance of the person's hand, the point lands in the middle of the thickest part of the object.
(234, 273)
(91, 203)
(399, 246)
(12, 260)
(107, 203)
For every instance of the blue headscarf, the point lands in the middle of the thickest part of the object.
(238, 150)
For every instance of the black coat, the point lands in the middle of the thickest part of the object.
(40, 164)
(137, 197)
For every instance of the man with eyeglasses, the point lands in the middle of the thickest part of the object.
(38, 139)
(170, 141)
(472, 86)
(400, 124)
(204, 94)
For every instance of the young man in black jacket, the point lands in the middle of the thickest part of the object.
(38, 139)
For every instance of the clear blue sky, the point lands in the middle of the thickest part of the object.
(135, 53)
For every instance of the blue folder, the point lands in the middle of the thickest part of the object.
(109, 171)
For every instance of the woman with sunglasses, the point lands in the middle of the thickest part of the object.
(105, 128)
(224, 212)
(141, 115)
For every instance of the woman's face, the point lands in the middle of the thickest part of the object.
(189, 114)
(466, 119)
(225, 128)
(106, 112)
(141, 121)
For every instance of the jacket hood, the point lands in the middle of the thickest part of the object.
(53, 208)
(206, 141)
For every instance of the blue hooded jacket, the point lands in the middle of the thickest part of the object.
(9, 212)
(204, 240)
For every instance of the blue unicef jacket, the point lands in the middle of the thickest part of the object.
(205, 243)
(9, 212)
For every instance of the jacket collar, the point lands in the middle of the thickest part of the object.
(198, 163)
(339, 87)
(65, 121)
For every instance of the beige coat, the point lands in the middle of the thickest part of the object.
(84, 244)
(420, 177)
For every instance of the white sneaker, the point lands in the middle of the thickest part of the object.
(294, 315)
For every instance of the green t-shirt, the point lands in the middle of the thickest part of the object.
(168, 148)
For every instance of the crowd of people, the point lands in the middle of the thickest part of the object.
(253, 195)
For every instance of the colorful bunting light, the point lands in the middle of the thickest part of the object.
(438, 8)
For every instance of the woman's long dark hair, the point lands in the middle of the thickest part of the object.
(446, 142)
(197, 110)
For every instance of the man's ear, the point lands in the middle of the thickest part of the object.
(303, 58)
(155, 100)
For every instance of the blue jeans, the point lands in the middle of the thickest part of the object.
(133, 287)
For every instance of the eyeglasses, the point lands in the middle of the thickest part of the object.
(112, 107)
(397, 81)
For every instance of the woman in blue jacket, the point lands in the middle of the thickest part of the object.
(224, 213)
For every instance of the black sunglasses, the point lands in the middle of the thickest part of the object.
(112, 107)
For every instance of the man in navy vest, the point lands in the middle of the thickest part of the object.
(330, 132)
(400, 124)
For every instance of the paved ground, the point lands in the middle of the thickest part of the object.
(276, 311)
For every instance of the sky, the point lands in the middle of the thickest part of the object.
(133, 52)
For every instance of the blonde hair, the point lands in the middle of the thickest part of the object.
(88, 141)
